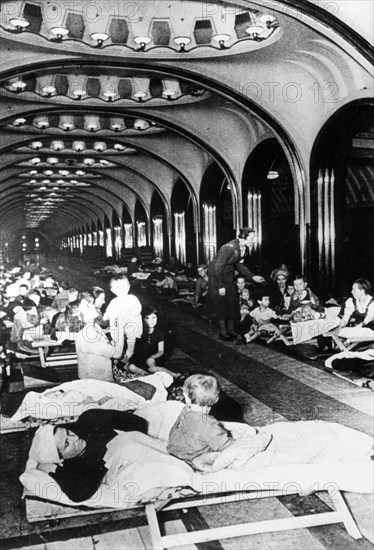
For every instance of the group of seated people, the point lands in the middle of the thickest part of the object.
(128, 333)
(267, 307)
(111, 343)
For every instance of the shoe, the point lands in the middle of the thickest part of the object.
(226, 337)
(369, 384)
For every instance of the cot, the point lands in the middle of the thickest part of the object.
(42, 511)
(144, 479)
(58, 357)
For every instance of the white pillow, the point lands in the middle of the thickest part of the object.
(137, 464)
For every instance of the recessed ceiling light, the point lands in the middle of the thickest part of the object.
(19, 121)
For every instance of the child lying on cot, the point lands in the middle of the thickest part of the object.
(198, 438)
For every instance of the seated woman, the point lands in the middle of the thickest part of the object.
(358, 318)
(94, 351)
(149, 354)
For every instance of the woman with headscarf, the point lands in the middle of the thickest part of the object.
(222, 295)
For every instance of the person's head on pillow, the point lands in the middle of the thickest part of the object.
(68, 443)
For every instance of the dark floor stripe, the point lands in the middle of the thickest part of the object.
(194, 521)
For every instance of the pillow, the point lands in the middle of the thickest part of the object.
(137, 465)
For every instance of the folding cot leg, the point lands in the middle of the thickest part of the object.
(347, 519)
(42, 357)
(154, 527)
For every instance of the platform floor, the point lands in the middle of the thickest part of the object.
(270, 386)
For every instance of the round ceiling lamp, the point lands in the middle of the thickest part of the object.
(99, 146)
(19, 23)
(60, 32)
(100, 38)
(221, 39)
(48, 91)
(19, 121)
(254, 31)
(57, 145)
(78, 145)
(182, 42)
(142, 41)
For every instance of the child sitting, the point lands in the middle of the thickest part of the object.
(198, 438)
(195, 432)
(149, 354)
(263, 316)
(246, 303)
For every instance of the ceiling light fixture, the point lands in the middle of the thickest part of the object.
(99, 146)
(52, 160)
(100, 38)
(140, 96)
(88, 161)
(182, 42)
(273, 173)
(78, 145)
(142, 41)
(269, 20)
(35, 160)
(57, 145)
(41, 122)
(19, 121)
(17, 85)
(169, 94)
(36, 145)
(221, 39)
(110, 95)
(119, 147)
(79, 94)
(48, 91)
(254, 31)
(59, 32)
(19, 23)
(140, 124)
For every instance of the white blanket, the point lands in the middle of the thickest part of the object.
(71, 399)
(307, 456)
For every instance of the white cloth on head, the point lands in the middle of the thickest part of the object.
(43, 448)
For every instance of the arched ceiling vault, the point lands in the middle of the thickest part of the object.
(125, 103)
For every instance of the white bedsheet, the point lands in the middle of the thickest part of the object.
(81, 395)
(139, 466)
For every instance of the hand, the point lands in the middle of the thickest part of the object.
(222, 291)
(151, 362)
(258, 279)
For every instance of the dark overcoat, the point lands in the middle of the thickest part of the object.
(221, 274)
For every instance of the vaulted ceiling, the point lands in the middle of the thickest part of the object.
(104, 104)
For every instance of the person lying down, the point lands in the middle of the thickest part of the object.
(82, 455)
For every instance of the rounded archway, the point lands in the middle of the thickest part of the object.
(268, 207)
(217, 217)
(342, 192)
